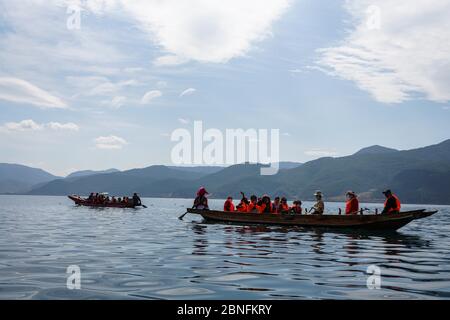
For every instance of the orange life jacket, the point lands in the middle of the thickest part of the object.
(284, 207)
(261, 208)
(251, 207)
(242, 207)
(228, 206)
(398, 205)
(352, 206)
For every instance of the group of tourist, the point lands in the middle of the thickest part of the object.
(101, 198)
(280, 205)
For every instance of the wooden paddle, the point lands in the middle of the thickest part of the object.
(182, 216)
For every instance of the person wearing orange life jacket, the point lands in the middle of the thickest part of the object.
(243, 205)
(284, 207)
(297, 207)
(228, 205)
(252, 205)
(264, 205)
(352, 204)
(392, 203)
(276, 205)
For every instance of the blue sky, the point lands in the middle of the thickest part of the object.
(109, 94)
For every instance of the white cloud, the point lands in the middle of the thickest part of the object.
(321, 153)
(21, 91)
(63, 126)
(98, 86)
(110, 142)
(44, 47)
(407, 56)
(161, 84)
(24, 125)
(183, 121)
(201, 30)
(205, 30)
(149, 96)
(188, 92)
(30, 125)
(118, 102)
(133, 69)
(169, 60)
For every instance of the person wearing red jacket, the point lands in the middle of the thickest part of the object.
(352, 204)
(228, 205)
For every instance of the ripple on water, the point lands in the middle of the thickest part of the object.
(150, 254)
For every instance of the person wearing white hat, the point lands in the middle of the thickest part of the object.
(319, 206)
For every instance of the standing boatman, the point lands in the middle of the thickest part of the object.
(136, 200)
(392, 203)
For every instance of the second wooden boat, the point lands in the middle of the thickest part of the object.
(83, 202)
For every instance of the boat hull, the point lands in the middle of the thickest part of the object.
(367, 222)
(82, 202)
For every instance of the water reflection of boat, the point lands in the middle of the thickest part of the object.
(385, 222)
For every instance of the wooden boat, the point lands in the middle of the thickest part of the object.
(388, 222)
(83, 202)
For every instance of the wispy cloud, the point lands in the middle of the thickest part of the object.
(150, 95)
(161, 84)
(63, 126)
(188, 92)
(98, 85)
(183, 121)
(21, 91)
(169, 60)
(118, 102)
(31, 125)
(405, 54)
(110, 142)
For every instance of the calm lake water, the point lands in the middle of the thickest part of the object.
(150, 254)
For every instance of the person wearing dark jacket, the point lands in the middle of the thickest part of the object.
(136, 200)
(201, 201)
(392, 203)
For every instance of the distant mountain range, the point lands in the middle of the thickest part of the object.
(417, 176)
(16, 178)
(85, 173)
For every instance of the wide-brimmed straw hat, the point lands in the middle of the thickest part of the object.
(318, 193)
